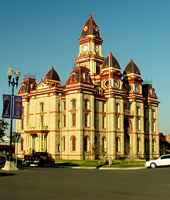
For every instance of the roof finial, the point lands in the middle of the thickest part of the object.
(92, 14)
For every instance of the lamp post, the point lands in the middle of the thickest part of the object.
(13, 78)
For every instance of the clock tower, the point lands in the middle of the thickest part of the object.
(90, 49)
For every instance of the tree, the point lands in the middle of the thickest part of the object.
(3, 127)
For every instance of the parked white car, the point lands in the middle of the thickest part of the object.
(163, 160)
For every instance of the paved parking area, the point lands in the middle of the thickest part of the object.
(74, 184)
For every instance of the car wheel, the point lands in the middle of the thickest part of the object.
(153, 165)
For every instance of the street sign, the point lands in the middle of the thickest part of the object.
(6, 106)
(16, 105)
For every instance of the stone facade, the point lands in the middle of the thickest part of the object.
(98, 113)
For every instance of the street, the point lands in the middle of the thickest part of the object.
(73, 184)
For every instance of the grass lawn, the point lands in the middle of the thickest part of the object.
(81, 163)
(98, 163)
(128, 163)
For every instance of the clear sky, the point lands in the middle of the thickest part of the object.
(35, 34)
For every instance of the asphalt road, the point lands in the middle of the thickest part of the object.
(73, 184)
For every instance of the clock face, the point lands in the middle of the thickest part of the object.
(85, 28)
(117, 84)
(107, 83)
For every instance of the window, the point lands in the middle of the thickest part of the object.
(117, 144)
(138, 144)
(138, 124)
(64, 105)
(41, 107)
(117, 122)
(153, 114)
(104, 122)
(165, 157)
(104, 107)
(129, 105)
(86, 104)
(58, 106)
(41, 121)
(22, 123)
(41, 114)
(59, 123)
(117, 108)
(138, 111)
(153, 145)
(86, 120)
(73, 119)
(97, 68)
(22, 119)
(63, 143)
(73, 104)
(103, 144)
(73, 143)
(86, 143)
(64, 120)
(154, 126)
(22, 144)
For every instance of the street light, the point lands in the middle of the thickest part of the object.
(13, 78)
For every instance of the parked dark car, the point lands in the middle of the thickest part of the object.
(39, 159)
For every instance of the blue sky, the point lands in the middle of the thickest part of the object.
(35, 34)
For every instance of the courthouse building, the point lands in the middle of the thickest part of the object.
(101, 111)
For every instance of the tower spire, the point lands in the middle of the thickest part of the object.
(90, 28)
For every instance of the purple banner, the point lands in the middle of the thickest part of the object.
(17, 112)
(6, 106)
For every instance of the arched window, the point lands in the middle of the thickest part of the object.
(73, 143)
(86, 143)
(63, 143)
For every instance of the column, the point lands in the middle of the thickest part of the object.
(111, 128)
